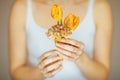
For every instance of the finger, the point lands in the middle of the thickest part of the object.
(52, 66)
(73, 42)
(57, 70)
(45, 70)
(51, 60)
(66, 54)
(67, 47)
(52, 73)
(46, 54)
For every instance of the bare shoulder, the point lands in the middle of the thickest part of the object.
(19, 4)
(18, 12)
(102, 4)
(102, 10)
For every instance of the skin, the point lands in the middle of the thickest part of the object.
(99, 66)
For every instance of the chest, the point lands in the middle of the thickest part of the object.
(42, 13)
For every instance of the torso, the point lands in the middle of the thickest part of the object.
(38, 43)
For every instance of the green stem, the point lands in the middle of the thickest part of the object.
(60, 22)
(57, 22)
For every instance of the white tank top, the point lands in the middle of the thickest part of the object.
(38, 43)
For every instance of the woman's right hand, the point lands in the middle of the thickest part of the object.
(50, 63)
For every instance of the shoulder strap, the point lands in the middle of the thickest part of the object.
(91, 5)
(29, 13)
(29, 6)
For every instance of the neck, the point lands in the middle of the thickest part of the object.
(60, 2)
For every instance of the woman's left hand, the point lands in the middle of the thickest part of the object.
(70, 49)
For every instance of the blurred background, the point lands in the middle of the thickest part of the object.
(4, 13)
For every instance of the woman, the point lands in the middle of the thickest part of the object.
(86, 52)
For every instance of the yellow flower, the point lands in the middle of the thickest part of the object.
(57, 13)
(71, 21)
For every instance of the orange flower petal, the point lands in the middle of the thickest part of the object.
(71, 21)
(56, 12)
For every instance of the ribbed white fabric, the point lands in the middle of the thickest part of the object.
(38, 43)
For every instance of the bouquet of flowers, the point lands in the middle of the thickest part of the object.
(62, 29)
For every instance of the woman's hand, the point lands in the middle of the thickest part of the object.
(50, 63)
(70, 49)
